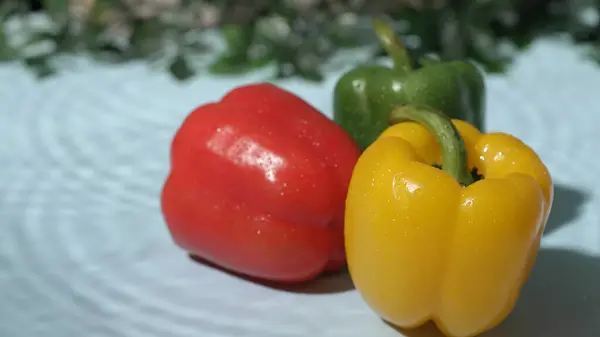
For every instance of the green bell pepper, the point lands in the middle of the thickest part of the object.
(365, 95)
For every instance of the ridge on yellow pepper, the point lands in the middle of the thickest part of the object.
(438, 244)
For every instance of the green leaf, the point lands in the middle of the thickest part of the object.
(147, 37)
(313, 75)
(108, 52)
(235, 59)
(238, 38)
(64, 39)
(40, 66)
(118, 5)
(180, 68)
(229, 65)
(91, 34)
(58, 9)
(7, 52)
(594, 54)
(196, 46)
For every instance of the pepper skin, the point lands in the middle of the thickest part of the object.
(429, 244)
(257, 185)
(364, 96)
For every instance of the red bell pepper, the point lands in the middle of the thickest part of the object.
(258, 183)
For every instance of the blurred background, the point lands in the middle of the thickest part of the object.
(298, 37)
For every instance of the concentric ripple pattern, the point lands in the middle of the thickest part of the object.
(84, 250)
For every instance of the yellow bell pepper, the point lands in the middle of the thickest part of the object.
(444, 245)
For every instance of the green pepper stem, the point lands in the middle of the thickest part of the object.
(454, 153)
(392, 45)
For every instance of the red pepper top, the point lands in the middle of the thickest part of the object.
(258, 184)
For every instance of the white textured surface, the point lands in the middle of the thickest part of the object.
(84, 251)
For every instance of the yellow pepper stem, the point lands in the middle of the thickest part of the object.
(454, 153)
(392, 45)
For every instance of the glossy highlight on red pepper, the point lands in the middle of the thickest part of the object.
(258, 183)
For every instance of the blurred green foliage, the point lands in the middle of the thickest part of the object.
(296, 37)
